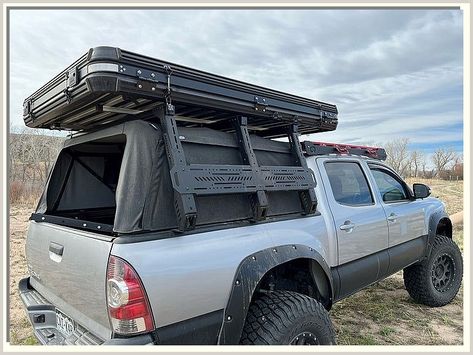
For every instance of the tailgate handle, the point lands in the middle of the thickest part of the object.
(56, 248)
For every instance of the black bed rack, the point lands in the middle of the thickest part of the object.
(189, 180)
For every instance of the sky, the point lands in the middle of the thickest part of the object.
(391, 73)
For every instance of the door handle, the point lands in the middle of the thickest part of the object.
(347, 226)
(392, 217)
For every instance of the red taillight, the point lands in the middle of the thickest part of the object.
(128, 305)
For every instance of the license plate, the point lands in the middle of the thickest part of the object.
(64, 323)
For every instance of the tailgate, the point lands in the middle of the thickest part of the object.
(68, 267)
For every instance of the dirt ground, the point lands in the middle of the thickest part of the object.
(20, 329)
(381, 314)
(384, 314)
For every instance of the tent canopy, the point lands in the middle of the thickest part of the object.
(120, 176)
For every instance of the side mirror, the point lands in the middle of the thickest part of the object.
(421, 191)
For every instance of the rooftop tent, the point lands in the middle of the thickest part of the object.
(108, 85)
(119, 176)
(171, 146)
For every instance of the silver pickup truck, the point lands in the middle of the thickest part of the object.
(192, 227)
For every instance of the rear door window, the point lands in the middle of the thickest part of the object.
(348, 183)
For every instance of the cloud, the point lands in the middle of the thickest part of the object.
(390, 72)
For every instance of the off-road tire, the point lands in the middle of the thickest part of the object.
(285, 317)
(421, 280)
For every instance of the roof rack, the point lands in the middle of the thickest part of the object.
(323, 148)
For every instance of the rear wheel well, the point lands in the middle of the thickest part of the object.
(304, 276)
(444, 227)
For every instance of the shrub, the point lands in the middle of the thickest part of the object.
(17, 191)
(22, 194)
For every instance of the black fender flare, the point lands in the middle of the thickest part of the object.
(434, 220)
(248, 275)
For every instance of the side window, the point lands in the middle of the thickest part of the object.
(390, 187)
(348, 183)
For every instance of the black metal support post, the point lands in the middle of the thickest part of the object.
(184, 203)
(259, 201)
(308, 198)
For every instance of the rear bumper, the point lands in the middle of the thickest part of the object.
(42, 316)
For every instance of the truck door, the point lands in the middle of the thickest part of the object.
(405, 216)
(360, 222)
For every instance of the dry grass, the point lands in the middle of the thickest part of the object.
(450, 192)
(384, 314)
(381, 314)
(21, 331)
(20, 194)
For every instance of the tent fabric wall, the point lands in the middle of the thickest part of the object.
(144, 196)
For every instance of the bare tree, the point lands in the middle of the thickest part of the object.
(398, 155)
(19, 154)
(417, 162)
(442, 158)
(43, 151)
(457, 168)
(425, 173)
(458, 159)
(32, 155)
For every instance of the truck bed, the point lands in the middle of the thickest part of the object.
(108, 85)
